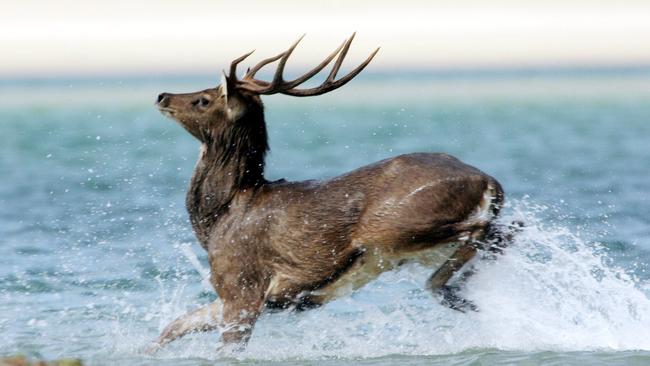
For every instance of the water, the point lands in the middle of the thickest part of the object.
(96, 252)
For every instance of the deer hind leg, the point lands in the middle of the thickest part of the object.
(487, 233)
(492, 238)
(203, 319)
(437, 283)
(499, 236)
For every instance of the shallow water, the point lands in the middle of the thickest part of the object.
(96, 248)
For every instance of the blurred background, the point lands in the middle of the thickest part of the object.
(73, 38)
(550, 97)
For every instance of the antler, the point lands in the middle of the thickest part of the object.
(279, 85)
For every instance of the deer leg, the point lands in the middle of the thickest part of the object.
(239, 317)
(437, 283)
(203, 319)
(498, 236)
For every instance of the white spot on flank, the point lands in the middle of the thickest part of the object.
(418, 190)
(482, 212)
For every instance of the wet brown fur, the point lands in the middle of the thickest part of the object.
(277, 244)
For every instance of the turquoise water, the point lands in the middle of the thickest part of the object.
(96, 248)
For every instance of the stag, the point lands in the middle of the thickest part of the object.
(296, 245)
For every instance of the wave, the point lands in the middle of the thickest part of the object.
(552, 290)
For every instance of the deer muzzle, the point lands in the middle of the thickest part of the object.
(163, 100)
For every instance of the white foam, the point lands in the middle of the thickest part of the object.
(186, 249)
(550, 291)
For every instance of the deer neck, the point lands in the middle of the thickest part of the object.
(230, 164)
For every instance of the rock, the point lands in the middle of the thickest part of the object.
(18, 360)
(68, 362)
(21, 360)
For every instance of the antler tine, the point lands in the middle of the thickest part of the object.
(277, 78)
(235, 62)
(251, 73)
(329, 86)
(308, 75)
(339, 60)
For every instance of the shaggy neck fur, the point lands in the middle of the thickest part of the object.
(231, 161)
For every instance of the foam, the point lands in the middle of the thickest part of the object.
(551, 291)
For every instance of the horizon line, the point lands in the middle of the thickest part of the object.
(436, 71)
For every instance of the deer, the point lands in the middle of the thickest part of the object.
(275, 245)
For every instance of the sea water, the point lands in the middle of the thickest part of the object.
(97, 254)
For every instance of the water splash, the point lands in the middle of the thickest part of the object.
(186, 249)
(552, 290)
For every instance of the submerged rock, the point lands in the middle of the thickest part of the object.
(20, 360)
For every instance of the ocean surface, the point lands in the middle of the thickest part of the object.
(97, 255)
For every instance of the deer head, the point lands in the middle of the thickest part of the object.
(210, 113)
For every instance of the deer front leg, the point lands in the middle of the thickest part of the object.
(203, 319)
(242, 284)
(239, 317)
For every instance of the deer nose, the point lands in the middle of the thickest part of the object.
(163, 100)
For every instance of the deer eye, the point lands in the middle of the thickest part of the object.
(203, 102)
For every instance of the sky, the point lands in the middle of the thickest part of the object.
(71, 37)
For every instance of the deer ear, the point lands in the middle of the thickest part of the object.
(225, 85)
(235, 107)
